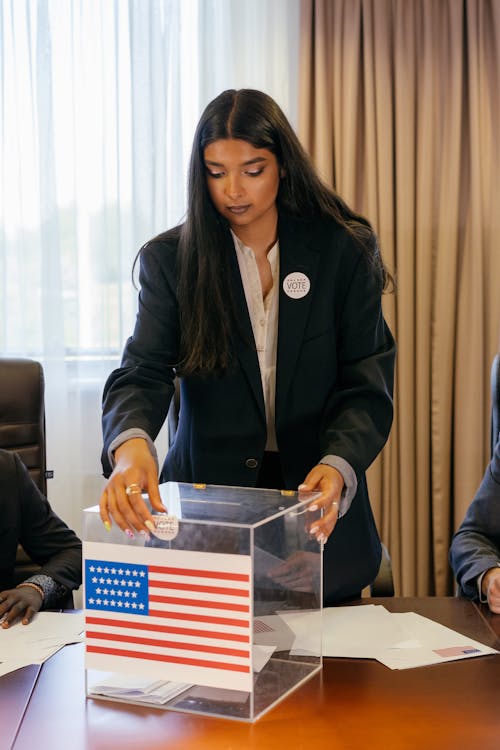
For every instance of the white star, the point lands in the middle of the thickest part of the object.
(91, 568)
(94, 580)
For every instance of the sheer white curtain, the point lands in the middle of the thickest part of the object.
(98, 104)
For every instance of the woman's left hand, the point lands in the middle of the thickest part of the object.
(330, 483)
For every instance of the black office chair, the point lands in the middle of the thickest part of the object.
(22, 415)
(495, 401)
(383, 585)
(22, 429)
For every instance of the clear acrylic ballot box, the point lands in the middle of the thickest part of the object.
(217, 613)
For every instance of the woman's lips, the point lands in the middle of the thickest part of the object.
(238, 209)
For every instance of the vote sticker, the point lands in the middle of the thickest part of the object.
(166, 526)
(296, 285)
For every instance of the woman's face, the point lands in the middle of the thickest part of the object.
(243, 183)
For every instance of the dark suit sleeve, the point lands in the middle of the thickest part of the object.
(476, 545)
(138, 393)
(359, 412)
(44, 536)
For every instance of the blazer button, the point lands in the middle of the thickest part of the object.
(251, 463)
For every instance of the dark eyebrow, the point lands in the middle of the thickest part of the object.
(256, 160)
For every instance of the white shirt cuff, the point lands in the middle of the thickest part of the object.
(133, 432)
(482, 598)
(350, 481)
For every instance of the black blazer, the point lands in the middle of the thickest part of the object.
(27, 518)
(475, 547)
(334, 383)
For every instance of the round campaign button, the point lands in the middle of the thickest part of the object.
(296, 285)
(166, 526)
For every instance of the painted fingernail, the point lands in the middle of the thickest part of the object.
(146, 536)
(302, 487)
(322, 538)
(107, 525)
(313, 529)
(150, 525)
(129, 534)
(312, 507)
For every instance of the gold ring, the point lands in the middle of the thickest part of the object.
(133, 489)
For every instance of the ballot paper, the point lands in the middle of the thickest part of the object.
(427, 642)
(158, 692)
(141, 690)
(397, 640)
(34, 643)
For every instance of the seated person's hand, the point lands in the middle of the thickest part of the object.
(491, 589)
(20, 603)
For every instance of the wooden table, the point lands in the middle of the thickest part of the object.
(353, 704)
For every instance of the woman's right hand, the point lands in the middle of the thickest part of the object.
(135, 472)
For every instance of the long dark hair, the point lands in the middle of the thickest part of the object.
(207, 314)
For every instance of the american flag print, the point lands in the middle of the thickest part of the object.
(456, 651)
(171, 614)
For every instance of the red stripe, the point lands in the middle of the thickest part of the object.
(198, 587)
(158, 643)
(194, 617)
(168, 629)
(199, 603)
(200, 573)
(171, 659)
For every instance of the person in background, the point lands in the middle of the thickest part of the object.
(26, 518)
(266, 304)
(475, 547)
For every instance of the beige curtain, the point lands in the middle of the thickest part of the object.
(400, 109)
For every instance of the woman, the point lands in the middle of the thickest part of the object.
(266, 303)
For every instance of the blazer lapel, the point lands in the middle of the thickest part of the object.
(299, 259)
(245, 343)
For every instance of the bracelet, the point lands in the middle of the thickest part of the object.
(33, 586)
